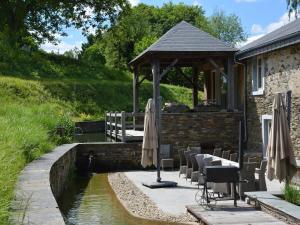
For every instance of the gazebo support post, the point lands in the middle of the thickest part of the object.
(157, 102)
(230, 83)
(135, 94)
(156, 98)
(195, 86)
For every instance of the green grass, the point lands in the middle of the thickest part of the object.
(31, 108)
(291, 194)
(39, 91)
(27, 115)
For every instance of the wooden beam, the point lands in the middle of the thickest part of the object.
(230, 83)
(195, 86)
(141, 81)
(216, 66)
(136, 90)
(165, 71)
(179, 70)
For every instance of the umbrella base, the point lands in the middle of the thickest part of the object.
(162, 184)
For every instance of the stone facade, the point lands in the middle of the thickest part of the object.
(184, 129)
(282, 73)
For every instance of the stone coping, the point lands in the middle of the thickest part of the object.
(34, 200)
(275, 204)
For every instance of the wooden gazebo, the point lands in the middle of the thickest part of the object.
(185, 46)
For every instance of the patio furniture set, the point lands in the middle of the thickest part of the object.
(221, 174)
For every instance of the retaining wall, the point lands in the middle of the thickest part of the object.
(44, 180)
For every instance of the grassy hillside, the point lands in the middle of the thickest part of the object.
(40, 92)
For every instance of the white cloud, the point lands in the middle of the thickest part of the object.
(134, 2)
(284, 19)
(196, 3)
(249, 40)
(256, 29)
(60, 47)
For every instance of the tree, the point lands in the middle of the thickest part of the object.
(44, 20)
(293, 6)
(227, 28)
(137, 28)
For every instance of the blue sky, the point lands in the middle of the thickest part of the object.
(258, 18)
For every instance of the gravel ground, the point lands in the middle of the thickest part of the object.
(139, 204)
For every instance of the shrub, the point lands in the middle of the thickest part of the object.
(65, 129)
(292, 194)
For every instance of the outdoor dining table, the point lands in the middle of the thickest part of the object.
(225, 163)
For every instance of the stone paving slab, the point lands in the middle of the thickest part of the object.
(224, 213)
(174, 200)
(276, 203)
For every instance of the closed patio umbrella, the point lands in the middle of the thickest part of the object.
(149, 148)
(279, 150)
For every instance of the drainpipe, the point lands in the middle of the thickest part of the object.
(245, 98)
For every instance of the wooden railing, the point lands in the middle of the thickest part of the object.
(118, 123)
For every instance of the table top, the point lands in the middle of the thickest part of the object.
(225, 162)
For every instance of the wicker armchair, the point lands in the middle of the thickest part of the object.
(247, 178)
(217, 152)
(195, 168)
(182, 163)
(233, 157)
(187, 153)
(260, 179)
(226, 154)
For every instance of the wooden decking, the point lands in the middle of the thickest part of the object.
(122, 126)
(224, 213)
(130, 135)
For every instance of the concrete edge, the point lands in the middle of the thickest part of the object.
(283, 213)
(34, 200)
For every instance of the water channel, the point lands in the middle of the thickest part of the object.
(90, 200)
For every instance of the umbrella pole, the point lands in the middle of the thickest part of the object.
(156, 95)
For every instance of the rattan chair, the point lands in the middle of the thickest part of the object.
(195, 168)
(182, 163)
(188, 164)
(260, 179)
(226, 154)
(247, 178)
(233, 157)
(205, 161)
(187, 153)
(217, 152)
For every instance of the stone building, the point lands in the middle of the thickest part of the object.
(271, 64)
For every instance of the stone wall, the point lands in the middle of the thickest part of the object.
(44, 180)
(184, 129)
(109, 156)
(282, 69)
(38, 185)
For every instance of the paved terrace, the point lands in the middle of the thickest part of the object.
(174, 200)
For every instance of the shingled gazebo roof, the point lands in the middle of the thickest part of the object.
(185, 40)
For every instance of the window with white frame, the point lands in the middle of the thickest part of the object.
(257, 75)
(266, 122)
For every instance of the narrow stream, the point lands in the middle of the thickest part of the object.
(90, 200)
